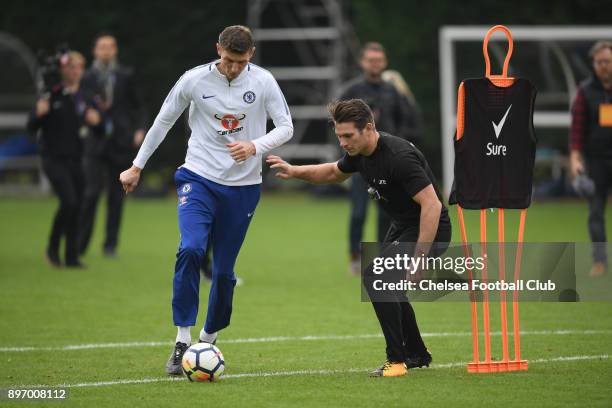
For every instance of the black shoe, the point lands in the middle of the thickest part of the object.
(173, 366)
(53, 259)
(75, 265)
(418, 361)
(110, 252)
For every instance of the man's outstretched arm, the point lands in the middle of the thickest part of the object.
(315, 173)
(174, 105)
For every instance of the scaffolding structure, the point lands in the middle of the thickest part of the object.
(306, 45)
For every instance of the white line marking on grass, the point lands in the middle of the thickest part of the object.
(289, 338)
(570, 358)
(297, 373)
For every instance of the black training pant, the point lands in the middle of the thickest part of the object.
(98, 172)
(66, 178)
(396, 317)
(600, 170)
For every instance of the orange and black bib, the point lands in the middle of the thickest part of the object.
(495, 156)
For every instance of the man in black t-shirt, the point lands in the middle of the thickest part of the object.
(401, 180)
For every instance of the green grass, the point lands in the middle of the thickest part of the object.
(296, 284)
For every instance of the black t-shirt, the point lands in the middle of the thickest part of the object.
(397, 170)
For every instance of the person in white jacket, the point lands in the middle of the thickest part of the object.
(219, 184)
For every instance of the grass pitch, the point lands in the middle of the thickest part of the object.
(299, 336)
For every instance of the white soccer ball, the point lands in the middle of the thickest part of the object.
(203, 362)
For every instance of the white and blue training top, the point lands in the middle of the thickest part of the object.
(222, 112)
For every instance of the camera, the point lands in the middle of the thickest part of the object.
(49, 67)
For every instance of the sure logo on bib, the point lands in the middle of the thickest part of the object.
(496, 150)
(493, 149)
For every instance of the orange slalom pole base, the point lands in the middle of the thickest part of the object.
(497, 366)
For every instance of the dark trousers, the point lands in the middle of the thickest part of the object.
(98, 173)
(66, 178)
(600, 170)
(396, 315)
(359, 207)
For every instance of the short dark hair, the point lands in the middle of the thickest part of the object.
(351, 110)
(103, 34)
(598, 46)
(372, 46)
(236, 38)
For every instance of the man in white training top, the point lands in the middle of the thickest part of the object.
(219, 184)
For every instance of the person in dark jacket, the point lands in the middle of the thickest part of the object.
(63, 117)
(591, 145)
(395, 114)
(111, 150)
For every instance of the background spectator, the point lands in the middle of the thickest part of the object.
(112, 149)
(63, 117)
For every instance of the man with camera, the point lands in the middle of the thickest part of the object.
(64, 117)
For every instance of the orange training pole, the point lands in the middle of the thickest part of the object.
(473, 305)
(485, 295)
(517, 271)
(502, 277)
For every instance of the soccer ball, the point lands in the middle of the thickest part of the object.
(203, 362)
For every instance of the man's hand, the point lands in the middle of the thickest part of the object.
(129, 178)
(240, 151)
(285, 170)
(139, 136)
(576, 163)
(42, 107)
(92, 117)
(414, 274)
